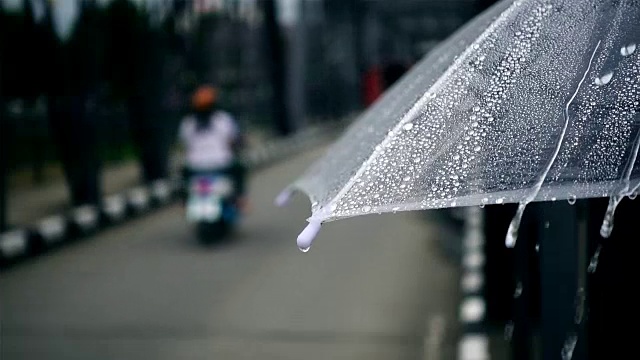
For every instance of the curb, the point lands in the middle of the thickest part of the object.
(474, 342)
(86, 220)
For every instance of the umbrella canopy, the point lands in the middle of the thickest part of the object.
(534, 100)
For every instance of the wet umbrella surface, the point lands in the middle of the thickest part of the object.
(531, 101)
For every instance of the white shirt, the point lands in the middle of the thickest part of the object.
(209, 148)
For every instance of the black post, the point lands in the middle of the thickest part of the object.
(561, 265)
(499, 263)
(3, 138)
(4, 149)
(524, 290)
(277, 68)
(612, 280)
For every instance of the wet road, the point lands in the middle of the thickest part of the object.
(374, 287)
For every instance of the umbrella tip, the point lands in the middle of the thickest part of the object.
(307, 235)
(283, 198)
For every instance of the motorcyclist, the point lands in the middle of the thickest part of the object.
(212, 139)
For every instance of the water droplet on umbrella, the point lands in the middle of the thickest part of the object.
(628, 50)
(408, 126)
(366, 208)
(604, 79)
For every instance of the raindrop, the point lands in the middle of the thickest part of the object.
(593, 264)
(476, 149)
(607, 223)
(569, 346)
(366, 208)
(554, 199)
(628, 50)
(407, 178)
(304, 250)
(481, 206)
(499, 201)
(396, 208)
(537, 247)
(604, 79)
(546, 225)
(508, 331)
(333, 207)
(456, 157)
(518, 291)
(571, 200)
(408, 126)
(514, 226)
(580, 304)
(633, 196)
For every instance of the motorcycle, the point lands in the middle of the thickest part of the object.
(211, 207)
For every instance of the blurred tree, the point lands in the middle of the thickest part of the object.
(138, 61)
(277, 67)
(75, 74)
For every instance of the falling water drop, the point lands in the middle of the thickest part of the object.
(593, 264)
(572, 199)
(580, 304)
(569, 346)
(547, 224)
(304, 250)
(628, 50)
(633, 196)
(537, 247)
(514, 226)
(508, 330)
(518, 291)
(607, 224)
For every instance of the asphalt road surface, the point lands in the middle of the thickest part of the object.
(373, 287)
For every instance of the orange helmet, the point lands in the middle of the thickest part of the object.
(204, 97)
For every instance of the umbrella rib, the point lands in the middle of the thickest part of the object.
(423, 100)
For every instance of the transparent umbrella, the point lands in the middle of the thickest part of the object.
(533, 100)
